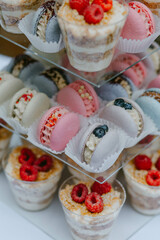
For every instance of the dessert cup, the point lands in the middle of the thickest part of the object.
(91, 227)
(13, 11)
(5, 137)
(36, 195)
(144, 198)
(90, 48)
(81, 176)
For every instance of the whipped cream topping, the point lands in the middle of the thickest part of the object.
(90, 146)
(145, 16)
(112, 201)
(50, 123)
(86, 96)
(21, 104)
(41, 28)
(4, 76)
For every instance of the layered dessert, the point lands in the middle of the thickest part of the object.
(105, 174)
(90, 31)
(142, 175)
(91, 208)
(12, 11)
(5, 137)
(33, 176)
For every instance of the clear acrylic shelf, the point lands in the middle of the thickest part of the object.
(75, 169)
(60, 60)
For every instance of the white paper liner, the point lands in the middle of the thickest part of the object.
(149, 128)
(25, 25)
(11, 121)
(137, 46)
(72, 149)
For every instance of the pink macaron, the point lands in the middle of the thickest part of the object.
(136, 73)
(57, 127)
(80, 97)
(140, 22)
(155, 83)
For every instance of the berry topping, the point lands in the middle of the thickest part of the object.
(94, 202)
(27, 156)
(44, 163)
(105, 4)
(121, 103)
(93, 14)
(100, 131)
(153, 178)
(28, 173)
(158, 164)
(79, 193)
(101, 188)
(147, 139)
(142, 162)
(79, 5)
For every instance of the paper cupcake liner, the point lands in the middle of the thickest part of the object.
(137, 46)
(72, 149)
(25, 26)
(149, 128)
(11, 121)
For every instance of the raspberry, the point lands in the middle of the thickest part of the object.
(27, 156)
(79, 193)
(93, 14)
(105, 4)
(44, 163)
(158, 164)
(94, 202)
(142, 162)
(147, 139)
(153, 178)
(101, 188)
(79, 5)
(28, 173)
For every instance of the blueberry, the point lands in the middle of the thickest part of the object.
(99, 132)
(128, 106)
(119, 102)
(105, 127)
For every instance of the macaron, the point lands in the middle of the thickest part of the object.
(9, 85)
(57, 127)
(136, 73)
(80, 97)
(51, 81)
(27, 105)
(140, 22)
(120, 86)
(126, 114)
(24, 67)
(149, 101)
(45, 24)
(97, 143)
(155, 83)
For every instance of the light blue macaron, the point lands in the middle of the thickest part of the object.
(150, 105)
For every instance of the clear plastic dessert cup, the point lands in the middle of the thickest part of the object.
(88, 227)
(13, 11)
(5, 137)
(144, 198)
(90, 48)
(104, 174)
(32, 196)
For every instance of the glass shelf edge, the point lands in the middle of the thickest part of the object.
(123, 163)
(99, 83)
